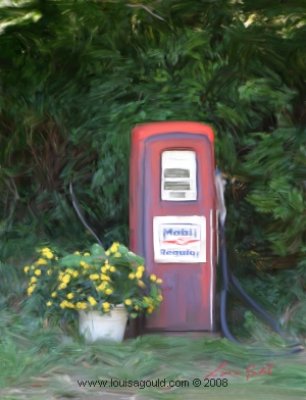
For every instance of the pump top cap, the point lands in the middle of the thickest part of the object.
(156, 128)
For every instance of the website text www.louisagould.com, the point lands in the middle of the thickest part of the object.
(216, 378)
(153, 383)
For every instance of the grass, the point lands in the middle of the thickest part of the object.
(41, 362)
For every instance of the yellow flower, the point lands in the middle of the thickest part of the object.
(139, 274)
(150, 309)
(86, 254)
(70, 296)
(30, 290)
(160, 297)
(106, 306)
(117, 254)
(159, 281)
(102, 286)
(84, 265)
(141, 284)
(131, 275)
(136, 308)
(62, 286)
(41, 261)
(53, 294)
(69, 304)
(75, 274)
(37, 272)
(49, 272)
(26, 269)
(92, 300)
(128, 302)
(66, 278)
(66, 304)
(94, 277)
(141, 268)
(104, 277)
(112, 268)
(114, 247)
(77, 253)
(45, 249)
(104, 269)
(33, 279)
(108, 291)
(81, 305)
(153, 277)
(63, 304)
(46, 252)
(107, 252)
(49, 303)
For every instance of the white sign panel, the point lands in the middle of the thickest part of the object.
(179, 175)
(179, 239)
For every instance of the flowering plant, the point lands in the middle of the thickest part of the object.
(94, 280)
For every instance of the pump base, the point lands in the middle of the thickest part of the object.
(136, 327)
(192, 335)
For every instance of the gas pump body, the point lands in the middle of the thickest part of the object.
(173, 220)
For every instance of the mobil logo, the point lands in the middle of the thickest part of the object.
(180, 234)
(179, 239)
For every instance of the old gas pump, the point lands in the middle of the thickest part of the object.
(173, 219)
(177, 218)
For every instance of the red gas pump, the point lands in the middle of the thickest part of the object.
(176, 206)
(173, 219)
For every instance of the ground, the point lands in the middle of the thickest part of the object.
(40, 363)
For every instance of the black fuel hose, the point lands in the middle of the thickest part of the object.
(77, 209)
(230, 281)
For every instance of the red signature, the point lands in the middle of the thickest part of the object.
(250, 371)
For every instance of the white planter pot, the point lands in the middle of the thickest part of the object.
(94, 325)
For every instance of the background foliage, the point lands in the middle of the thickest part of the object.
(76, 76)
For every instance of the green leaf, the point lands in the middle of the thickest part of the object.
(97, 250)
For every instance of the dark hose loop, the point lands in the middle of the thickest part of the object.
(230, 281)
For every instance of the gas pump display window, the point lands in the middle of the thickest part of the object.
(178, 175)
